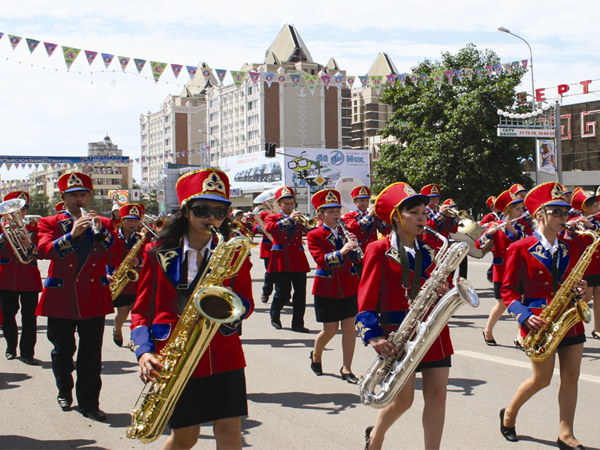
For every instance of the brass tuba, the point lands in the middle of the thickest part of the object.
(208, 307)
(565, 309)
(14, 230)
(387, 375)
(265, 202)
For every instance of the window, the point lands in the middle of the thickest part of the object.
(250, 90)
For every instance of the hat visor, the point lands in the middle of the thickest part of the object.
(557, 203)
(424, 197)
(330, 205)
(286, 196)
(432, 195)
(361, 196)
(76, 189)
(517, 200)
(213, 197)
(131, 217)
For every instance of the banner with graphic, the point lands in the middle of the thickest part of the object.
(158, 69)
(546, 156)
(311, 82)
(238, 77)
(70, 54)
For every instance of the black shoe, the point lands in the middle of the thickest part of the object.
(301, 329)
(349, 377)
(97, 415)
(368, 436)
(316, 367)
(564, 446)
(509, 433)
(276, 324)
(595, 335)
(30, 361)
(64, 403)
(491, 342)
(118, 339)
(518, 345)
(10, 355)
(264, 298)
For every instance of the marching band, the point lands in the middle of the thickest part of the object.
(373, 266)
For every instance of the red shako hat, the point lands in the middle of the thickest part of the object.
(449, 202)
(284, 192)
(516, 188)
(326, 198)
(490, 201)
(505, 199)
(132, 211)
(431, 190)
(360, 192)
(206, 184)
(566, 190)
(60, 206)
(18, 194)
(75, 181)
(393, 196)
(545, 194)
(580, 197)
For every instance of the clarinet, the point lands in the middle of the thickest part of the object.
(342, 224)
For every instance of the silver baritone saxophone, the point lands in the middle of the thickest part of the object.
(420, 328)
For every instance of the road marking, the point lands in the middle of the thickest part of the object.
(524, 365)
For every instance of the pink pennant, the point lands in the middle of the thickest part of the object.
(391, 79)
(176, 69)
(90, 56)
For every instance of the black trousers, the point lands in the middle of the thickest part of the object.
(284, 281)
(267, 288)
(61, 332)
(10, 306)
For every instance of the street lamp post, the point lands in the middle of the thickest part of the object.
(504, 30)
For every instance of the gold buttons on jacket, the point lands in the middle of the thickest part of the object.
(541, 272)
(92, 280)
(70, 265)
(546, 283)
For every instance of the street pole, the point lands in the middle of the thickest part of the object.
(557, 139)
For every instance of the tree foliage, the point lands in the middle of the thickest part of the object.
(448, 135)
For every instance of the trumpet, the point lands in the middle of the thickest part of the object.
(307, 222)
(98, 235)
(456, 213)
(152, 225)
(14, 230)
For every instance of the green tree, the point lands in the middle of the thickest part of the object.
(38, 204)
(447, 135)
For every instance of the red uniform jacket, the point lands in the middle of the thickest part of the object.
(442, 224)
(155, 312)
(582, 241)
(287, 252)
(77, 286)
(491, 217)
(132, 286)
(502, 239)
(15, 276)
(265, 244)
(335, 277)
(365, 227)
(529, 262)
(382, 302)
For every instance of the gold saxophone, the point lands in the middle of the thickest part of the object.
(208, 307)
(565, 310)
(125, 272)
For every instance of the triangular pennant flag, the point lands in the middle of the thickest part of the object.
(206, 72)
(281, 78)
(191, 71)
(490, 70)
(338, 80)
(507, 68)
(32, 44)
(8, 166)
(425, 78)
(90, 56)
(1, 34)
(438, 79)
(30, 165)
(176, 69)
(221, 73)
(498, 69)
(402, 79)
(479, 71)
(524, 63)
(391, 79)
(449, 74)
(269, 78)
(254, 76)
(350, 81)
(376, 82)
(70, 55)
(123, 62)
(326, 80)
(459, 74)
(14, 40)
(364, 80)
(139, 64)
(295, 79)
(50, 48)
(238, 77)
(157, 70)
(516, 65)
(107, 58)
(311, 82)
(414, 78)
(17, 165)
(469, 73)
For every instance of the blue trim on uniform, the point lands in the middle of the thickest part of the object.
(54, 282)
(227, 329)
(498, 260)
(334, 259)
(75, 189)
(214, 197)
(4, 260)
(142, 343)
(392, 317)
(277, 247)
(161, 331)
(64, 245)
(368, 326)
(323, 273)
(519, 311)
(108, 239)
(286, 223)
(330, 205)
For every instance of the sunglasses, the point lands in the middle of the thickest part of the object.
(557, 213)
(202, 212)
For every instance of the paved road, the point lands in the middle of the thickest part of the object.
(291, 408)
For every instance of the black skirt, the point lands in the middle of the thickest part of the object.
(572, 340)
(205, 399)
(446, 362)
(124, 300)
(592, 280)
(329, 309)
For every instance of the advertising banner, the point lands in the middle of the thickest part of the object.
(254, 172)
(546, 156)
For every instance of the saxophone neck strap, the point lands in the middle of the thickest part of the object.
(555, 270)
(418, 270)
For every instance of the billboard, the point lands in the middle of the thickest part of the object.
(335, 163)
(254, 172)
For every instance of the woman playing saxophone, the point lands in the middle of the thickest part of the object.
(543, 262)
(397, 266)
(173, 266)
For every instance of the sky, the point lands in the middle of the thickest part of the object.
(45, 110)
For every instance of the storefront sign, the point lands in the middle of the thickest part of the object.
(524, 132)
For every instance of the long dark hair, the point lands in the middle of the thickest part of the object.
(177, 225)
